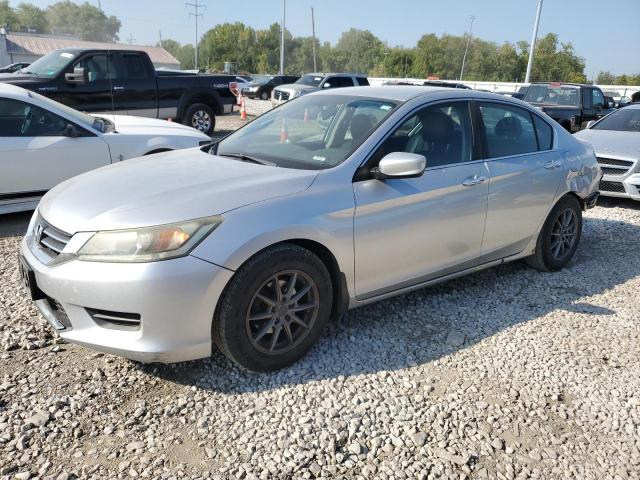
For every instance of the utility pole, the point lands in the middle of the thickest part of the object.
(464, 57)
(284, 15)
(131, 39)
(160, 34)
(100, 6)
(196, 6)
(313, 31)
(527, 78)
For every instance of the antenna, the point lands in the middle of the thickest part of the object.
(196, 6)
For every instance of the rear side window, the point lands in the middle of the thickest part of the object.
(509, 130)
(545, 133)
(337, 82)
(362, 81)
(134, 66)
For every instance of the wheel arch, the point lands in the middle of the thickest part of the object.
(210, 98)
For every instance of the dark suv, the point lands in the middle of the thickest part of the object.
(262, 87)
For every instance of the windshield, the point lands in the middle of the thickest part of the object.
(51, 64)
(312, 133)
(75, 115)
(554, 95)
(311, 80)
(625, 120)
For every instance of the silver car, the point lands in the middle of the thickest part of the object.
(616, 140)
(329, 202)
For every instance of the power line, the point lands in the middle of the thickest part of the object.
(464, 57)
(196, 6)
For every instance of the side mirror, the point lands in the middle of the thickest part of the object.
(71, 131)
(591, 123)
(79, 76)
(400, 165)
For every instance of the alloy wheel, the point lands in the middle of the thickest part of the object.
(201, 120)
(564, 234)
(282, 312)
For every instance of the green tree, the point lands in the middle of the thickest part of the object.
(360, 50)
(8, 18)
(31, 18)
(185, 54)
(606, 78)
(85, 21)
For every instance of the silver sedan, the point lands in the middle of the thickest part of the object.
(616, 140)
(329, 202)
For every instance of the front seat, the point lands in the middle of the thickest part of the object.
(437, 140)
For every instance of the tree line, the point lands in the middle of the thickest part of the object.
(258, 50)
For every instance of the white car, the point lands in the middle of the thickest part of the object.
(43, 142)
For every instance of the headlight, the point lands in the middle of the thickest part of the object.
(148, 244)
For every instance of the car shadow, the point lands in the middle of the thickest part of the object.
(425, 325)
(614, 202)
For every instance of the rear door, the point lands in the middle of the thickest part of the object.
(526, 172)
(338, 82)
(134, 85)
(35, 155)
(408, 231)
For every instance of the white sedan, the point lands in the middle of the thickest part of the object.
(43, 142)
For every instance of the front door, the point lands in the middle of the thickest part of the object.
(407, 231)
(95, 94)
(35, 155)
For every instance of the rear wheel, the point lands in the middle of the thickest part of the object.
(201, 117)
(274, 309)
(560, 235)
(264, 95)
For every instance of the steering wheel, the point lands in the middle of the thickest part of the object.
(27, 122)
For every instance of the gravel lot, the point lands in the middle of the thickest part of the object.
(508, 373)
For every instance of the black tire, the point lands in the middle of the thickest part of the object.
(201, 117)
(264, 95)
(548, 257)
(236, 330)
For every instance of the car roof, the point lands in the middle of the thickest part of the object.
(404, 93)
(334, 74)
(13, 91)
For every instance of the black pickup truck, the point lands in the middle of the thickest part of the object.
(125, 82)
(572, 105)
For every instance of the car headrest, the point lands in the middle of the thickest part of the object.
(436, 126)
(359, 126)
(508, 127)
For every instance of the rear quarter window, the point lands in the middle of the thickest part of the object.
(544, 132)
(362, 81)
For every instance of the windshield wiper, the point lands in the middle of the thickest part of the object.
(248, 158)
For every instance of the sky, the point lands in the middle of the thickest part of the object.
(606, 34)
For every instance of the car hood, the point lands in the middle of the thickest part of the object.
(165, 188)
(150, 126)
(297, 87)
(611, 142)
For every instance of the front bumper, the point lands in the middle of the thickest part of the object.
(174, 300)
(621, 187)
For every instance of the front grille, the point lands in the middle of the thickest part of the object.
(115, 320)
(614, 171)
(616, 187)
(280, 95)
(51, 240)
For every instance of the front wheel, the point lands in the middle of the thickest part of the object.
(274, 309)
(201, 117)
(264, 95)
(560, 235)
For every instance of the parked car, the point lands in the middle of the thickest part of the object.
(44, 142)
(124, 81)
(440, 83)
(314, 82)
(255, 242)
(522, 91)
(262, 88)
(572, 105)
(616, 140)
(13, 67)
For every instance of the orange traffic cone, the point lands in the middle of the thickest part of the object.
(306, 115)
(169, 119)
(243, 110)
(284, 132)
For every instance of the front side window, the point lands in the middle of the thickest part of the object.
(313, 132)
(509, 130)
(21, 119)
(97, 67)
(310, 80)
(597, 98)
(624, 120)
(442, 133)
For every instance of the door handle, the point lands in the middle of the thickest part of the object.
(552, 164)
(118, 88)
(474, 180)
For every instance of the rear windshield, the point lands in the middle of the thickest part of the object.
(624, 120)
(565, 95)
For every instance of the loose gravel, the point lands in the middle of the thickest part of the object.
(508, 373)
